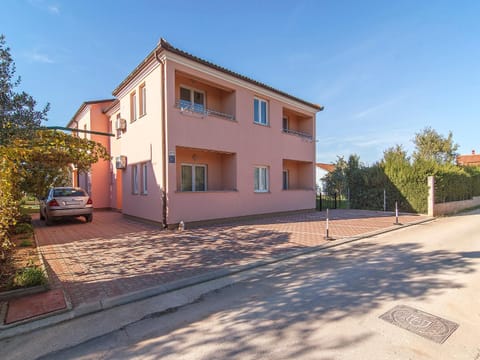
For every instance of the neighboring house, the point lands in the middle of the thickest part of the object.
(195, 141)
(469, 160)
(89, 119)
(322, 170)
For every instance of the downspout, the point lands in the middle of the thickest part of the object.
(164, 140)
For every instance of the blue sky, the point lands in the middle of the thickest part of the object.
(384, 70)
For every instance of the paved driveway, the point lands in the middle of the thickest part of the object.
(115, 255)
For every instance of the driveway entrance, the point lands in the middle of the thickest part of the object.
(115, 255)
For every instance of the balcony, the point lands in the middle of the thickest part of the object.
(202, 97)
(297, 124)
(189, 107)
(205, 170)
(297, 175)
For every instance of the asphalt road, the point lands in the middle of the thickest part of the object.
(326, 306)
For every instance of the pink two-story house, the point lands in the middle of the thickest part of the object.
(194, 141)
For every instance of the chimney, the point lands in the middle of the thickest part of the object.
(473, 152)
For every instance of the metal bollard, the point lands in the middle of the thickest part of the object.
(396, 214)
(327, 237)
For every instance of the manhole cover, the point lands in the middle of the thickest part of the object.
(421, 323)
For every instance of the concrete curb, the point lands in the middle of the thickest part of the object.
(82, 323)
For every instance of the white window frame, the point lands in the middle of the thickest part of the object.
(192, 97)
(262, 187)
(118, 130)
(133, 106)
(144, 178)
(143, 99)
(265, 121)
(193, 166)
(135, 187)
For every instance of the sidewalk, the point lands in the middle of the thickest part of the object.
(115, 261)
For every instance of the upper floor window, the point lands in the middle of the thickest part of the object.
(118, 126)
(85, 131)
(133, 106)
(192, 99)
(261, 179)
(260, 111)
(143, 99)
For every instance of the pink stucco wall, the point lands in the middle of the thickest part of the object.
(252, 145)
(229, 148)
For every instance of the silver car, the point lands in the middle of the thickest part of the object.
(66, 202)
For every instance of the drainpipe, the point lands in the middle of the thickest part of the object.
(164, 139)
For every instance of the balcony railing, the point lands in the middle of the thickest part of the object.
(298, 133)
(187, 106)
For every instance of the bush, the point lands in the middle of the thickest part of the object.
(29, 276)
(23, 228)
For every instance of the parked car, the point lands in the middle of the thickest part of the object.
(62, 202)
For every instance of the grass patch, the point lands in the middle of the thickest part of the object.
(25, 243)
(29, 276)
(23, 228)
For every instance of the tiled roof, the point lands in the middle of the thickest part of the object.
(165, 45)
(468, 160)
(326, 167)
(90, 102)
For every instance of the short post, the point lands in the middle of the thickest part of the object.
(396, 214)
(327, 237)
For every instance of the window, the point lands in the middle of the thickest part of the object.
(285, 179)
(143, 99)
(85, 131)
(194, 178)
(260, 112)
(285, 123)
(118, 126)
(133, 106)
(192, 99)
(135, 179)
(144, 179)
(261, 179)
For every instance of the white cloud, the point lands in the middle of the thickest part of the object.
(54, 9)
(35, 56)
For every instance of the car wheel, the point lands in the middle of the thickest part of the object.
(88, 218)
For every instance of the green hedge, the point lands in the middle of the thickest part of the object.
(406, 184)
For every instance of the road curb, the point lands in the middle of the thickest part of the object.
(141, 303)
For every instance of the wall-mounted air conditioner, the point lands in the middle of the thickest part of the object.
(121, 162)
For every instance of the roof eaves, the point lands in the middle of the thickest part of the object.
(84, 104)
(165, 45)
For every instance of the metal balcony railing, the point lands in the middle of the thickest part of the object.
(298, 133)
(188, 106)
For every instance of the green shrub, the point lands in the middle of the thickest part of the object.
(25, 243)
(29, 276)
(23, 228)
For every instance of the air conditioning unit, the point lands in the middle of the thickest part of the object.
(121, 162)
(121, 124)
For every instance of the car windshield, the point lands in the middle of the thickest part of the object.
(68, 192)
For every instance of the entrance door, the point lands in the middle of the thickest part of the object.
(119, 181)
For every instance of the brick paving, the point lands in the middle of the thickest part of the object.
(115, 255)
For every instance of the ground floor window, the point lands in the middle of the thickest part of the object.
(135, 179)
(261, 179)
(194, 177)
(144, 179)
(285, 179)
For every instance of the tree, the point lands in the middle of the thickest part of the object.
(31, 158)
(18, 116)
(431, 146)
